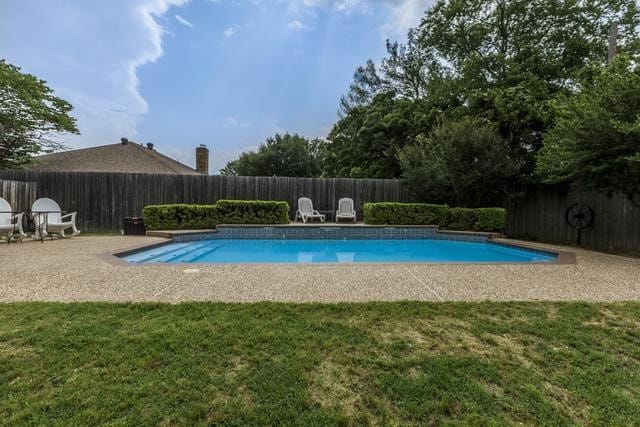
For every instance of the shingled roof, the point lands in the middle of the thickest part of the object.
(125, 157)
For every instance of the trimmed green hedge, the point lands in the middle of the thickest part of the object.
(198, 217)
(252, 212)
(405, 213)
(465, 219)
(461, 219)
(180, 217)
(491, 219)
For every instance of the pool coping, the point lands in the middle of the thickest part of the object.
(562, 257)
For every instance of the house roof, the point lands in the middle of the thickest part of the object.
(124, 157)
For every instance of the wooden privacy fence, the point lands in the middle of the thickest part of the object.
(102, 200)
(19, 194)
(540, 215)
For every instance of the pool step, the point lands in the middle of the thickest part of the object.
(170, 254)
(174, 255)
(203, 250)
(145, 256)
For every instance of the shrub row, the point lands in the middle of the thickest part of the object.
(480, 219)
(405, 213)
(252, 212)
(180, 217)
(198, 217)
(466, 219)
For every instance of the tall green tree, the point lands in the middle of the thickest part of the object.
(595, 143)
(509, 58)
(405, 73)
(281, 155)
(503, 61)
(463, 162)
(31, 117)
(489, 42)
(365, 142)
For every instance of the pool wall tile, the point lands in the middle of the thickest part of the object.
(330, 233)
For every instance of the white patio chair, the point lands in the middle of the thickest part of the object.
(345, 210)
(51, 220)
(305, 210)
(10, 223)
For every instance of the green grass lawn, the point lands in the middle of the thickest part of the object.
(388, 363)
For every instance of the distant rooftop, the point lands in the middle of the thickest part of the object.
(125, 157)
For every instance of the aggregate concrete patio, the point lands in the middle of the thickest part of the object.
(81, 269)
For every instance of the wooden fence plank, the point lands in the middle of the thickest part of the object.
(102, 200)
(19, 194)
(540, 215)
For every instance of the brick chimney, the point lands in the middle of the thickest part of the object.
(202, 159)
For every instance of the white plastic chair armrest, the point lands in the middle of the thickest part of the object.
(72, 215)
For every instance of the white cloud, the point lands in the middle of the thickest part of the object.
(231, 31)
(221, 156)
(90, 61)
(233, 122)
(151, 43)
(183, 21)
(296, 25)
(343, 5)
(338, 5)
(405, 14)
(402, 14)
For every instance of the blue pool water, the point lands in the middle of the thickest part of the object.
(335, 251)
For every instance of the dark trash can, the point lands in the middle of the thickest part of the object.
(133, 226)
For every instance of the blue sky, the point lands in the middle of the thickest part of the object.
(178, 73)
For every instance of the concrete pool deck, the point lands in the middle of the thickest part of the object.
(82, 269)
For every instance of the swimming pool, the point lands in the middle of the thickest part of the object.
(259, 251)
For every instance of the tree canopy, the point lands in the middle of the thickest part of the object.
(595, 143)
(31, 117)
(281, 155)
(364, 143)
(504, 62)
(464, 162)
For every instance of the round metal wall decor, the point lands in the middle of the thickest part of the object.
(579, 216)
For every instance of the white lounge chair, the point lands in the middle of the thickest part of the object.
(10, 223)
(305, 210)
(345, 210)
(50, 219)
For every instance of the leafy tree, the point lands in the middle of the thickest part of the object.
(281, 155)
(508, 58)
(405, 73)
(506, 41)
(462, 162)
(30, 116)
(364, 142)
(503, 61)
(595, 144)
